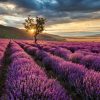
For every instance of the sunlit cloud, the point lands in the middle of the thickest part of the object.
(75, 27)
(63, 16)
(14, 21)
(7, 8)
(2, 22)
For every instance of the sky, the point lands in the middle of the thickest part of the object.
(64, 17)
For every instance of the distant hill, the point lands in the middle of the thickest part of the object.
(15, 33)
(96, 35)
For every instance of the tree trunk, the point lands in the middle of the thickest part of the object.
(35, 39)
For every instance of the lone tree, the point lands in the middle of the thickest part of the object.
(36, 24)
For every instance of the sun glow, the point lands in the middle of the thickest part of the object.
(31, 31)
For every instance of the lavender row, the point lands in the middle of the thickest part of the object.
(3, 46)
(78, 49)
(27, 81)
(77, 75)
(84, 50)
(61, 52)
(86, 82)
(73, 46)
(89, 60)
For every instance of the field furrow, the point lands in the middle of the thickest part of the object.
(4, 45)
(49, 70)
(76, 75)
(27, 80)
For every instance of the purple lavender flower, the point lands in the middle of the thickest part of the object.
(76, 57)
(26, 80)
(91, 83)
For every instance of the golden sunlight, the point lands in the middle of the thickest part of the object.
(31, 31)
(79, 26)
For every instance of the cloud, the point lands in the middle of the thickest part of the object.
(14, 21)
(60, 5)
(57, 12)
(51, 9)
(7, 8)
(78, 5)
(4, 0)
(75, 27)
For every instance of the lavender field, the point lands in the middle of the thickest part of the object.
(49, 70)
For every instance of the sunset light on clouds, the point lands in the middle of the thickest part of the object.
(64, 17)
(78, 26)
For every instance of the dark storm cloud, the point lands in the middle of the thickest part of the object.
(58, 5)
(4, 0)
(78, 5)
(56, 11)
(26, 4)
(3, 12)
